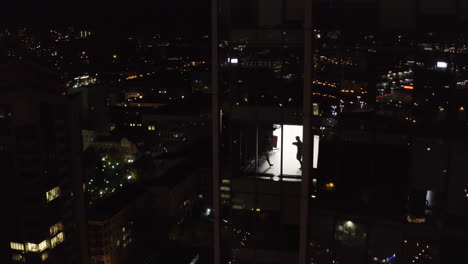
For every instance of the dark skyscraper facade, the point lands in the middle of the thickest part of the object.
(42, 191)
(338, 177)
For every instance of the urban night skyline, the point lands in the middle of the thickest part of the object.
(234, 132)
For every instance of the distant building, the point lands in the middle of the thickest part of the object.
(95, 104)
(174, 195)
(111, 227)
(121, 145)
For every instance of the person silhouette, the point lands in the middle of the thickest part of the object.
(298, 144)
(266, 149)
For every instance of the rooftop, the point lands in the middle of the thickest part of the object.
(110, 207)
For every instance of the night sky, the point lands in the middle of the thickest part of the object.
(156, 14)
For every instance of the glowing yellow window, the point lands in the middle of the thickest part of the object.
(32, 247)
(17, 246)
(43, 246)
(52, 194)
(55, 229)
(17, 257)
(57, 239)
(44, 256)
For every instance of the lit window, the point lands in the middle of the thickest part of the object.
(55, 229)
(44, 256)
(442, 64)
(316, 151)
(225, 196)
(315, 107)
(330, 186)
(57, 240)
(52, 194)
(43, 245)
(17, 257)
(151, 128)
(16, 246)
(225, 188)
(226, 181)
(238, 207)
(415, 220)
(32, 247)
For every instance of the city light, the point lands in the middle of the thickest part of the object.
(390, 258)
(208, 211)
(316, 151)
(442, 65)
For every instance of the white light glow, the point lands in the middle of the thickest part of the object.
(208, 211)
(291, 166)
(316, 151)
(349, 224)
(442, 65)
(234, 60)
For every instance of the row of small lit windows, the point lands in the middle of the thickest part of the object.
(225, 188)
(32, 247)
(57, 238)
(135, 125)
(52, 194)
(55, 229)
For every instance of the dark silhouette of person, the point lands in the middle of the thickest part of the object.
(298, 144)
(266, 149)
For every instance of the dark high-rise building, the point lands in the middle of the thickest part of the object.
(322, 161)
(43, 217)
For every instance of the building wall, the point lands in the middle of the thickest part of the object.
(43, 162)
